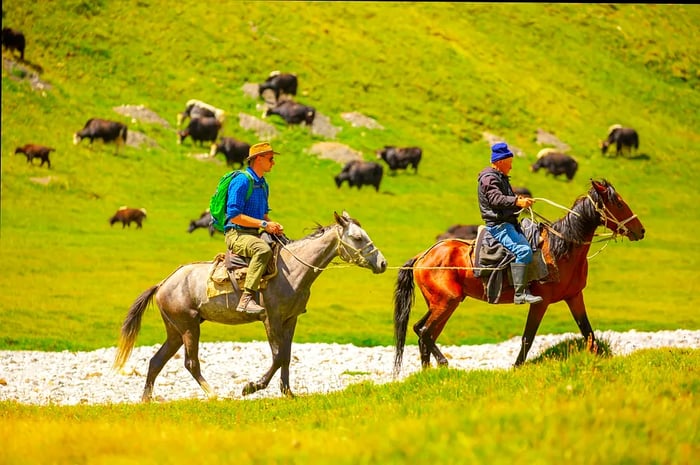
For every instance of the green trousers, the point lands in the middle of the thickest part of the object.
(248, 244)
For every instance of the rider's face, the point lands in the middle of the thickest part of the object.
(504, 166)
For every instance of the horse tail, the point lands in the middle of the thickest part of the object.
(132, 326)
(403, 301)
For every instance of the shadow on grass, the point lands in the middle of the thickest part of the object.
(569, 347)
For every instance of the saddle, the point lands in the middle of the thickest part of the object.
(491, 259)
(229, 270)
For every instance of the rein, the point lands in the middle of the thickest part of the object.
(605, 216)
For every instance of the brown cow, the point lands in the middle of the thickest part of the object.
(32, 151)
(126, 215)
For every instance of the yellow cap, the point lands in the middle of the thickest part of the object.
(261, 148)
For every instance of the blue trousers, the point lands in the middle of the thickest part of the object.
(506, 234)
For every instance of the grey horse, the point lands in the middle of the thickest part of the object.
(184, 305)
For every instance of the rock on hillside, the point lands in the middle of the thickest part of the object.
(335, 151)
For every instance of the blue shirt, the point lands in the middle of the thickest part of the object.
(256, 206)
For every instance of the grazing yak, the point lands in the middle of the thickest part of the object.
(235, 151)
(13, 40)
(32, 151)
(292, 112)
(108, 131)
(200, 130)
(279, 83)
(359, 173)
(126, 215)
(205, 221)
(198, 109)
(622, 138)
(400, 158)
(556, 163)
(460, 231)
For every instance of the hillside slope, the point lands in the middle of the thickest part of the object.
(439, 76)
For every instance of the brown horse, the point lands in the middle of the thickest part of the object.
(445, 274)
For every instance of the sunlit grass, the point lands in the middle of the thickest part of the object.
(582, 408)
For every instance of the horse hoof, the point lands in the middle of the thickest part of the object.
(249, 389)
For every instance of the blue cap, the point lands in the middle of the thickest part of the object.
(500, 151)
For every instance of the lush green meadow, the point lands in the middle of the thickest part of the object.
(434, 75)
(439, 81)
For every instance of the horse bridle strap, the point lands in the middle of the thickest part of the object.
(354, 254)
(606, 215)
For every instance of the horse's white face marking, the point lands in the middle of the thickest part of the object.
(359, 249)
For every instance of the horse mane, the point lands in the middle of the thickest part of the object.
(319, 230)
(575, 228)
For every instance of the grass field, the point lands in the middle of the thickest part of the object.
(437, 76)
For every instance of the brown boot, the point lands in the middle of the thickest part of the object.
(248, 305)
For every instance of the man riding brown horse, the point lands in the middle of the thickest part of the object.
(499, 208)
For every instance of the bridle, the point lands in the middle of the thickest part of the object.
(352, 254)
(606, 217)
(346, 251)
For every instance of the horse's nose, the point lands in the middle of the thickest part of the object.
(382, 267)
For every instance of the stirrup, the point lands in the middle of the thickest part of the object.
(526, 298)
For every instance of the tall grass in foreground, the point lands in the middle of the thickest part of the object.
(583, 410)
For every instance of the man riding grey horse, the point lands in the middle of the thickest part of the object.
(247, 218)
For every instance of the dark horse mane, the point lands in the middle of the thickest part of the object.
(319, 230)
(575, 227)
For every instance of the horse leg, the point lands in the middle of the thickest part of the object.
(262, 383)
(191, 340)
(273, 327)
(429, 328)
(534, 318)
(577, 307)
(424, 350)
(158, 361)
(285, 356)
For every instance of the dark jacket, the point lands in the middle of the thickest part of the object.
(496, 198)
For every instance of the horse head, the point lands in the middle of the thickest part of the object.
(355, 245)
(614, 212)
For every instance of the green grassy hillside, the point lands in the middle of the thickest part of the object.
(434, 75)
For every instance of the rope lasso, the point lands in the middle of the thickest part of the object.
(545, 222)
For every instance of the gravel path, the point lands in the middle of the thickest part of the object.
(69, 378)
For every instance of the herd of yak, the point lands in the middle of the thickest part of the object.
(205, 123)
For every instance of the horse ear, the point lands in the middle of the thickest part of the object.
(341, 220)
(599, 187)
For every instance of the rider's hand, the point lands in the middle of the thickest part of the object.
(524, 202)
(274, 228)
